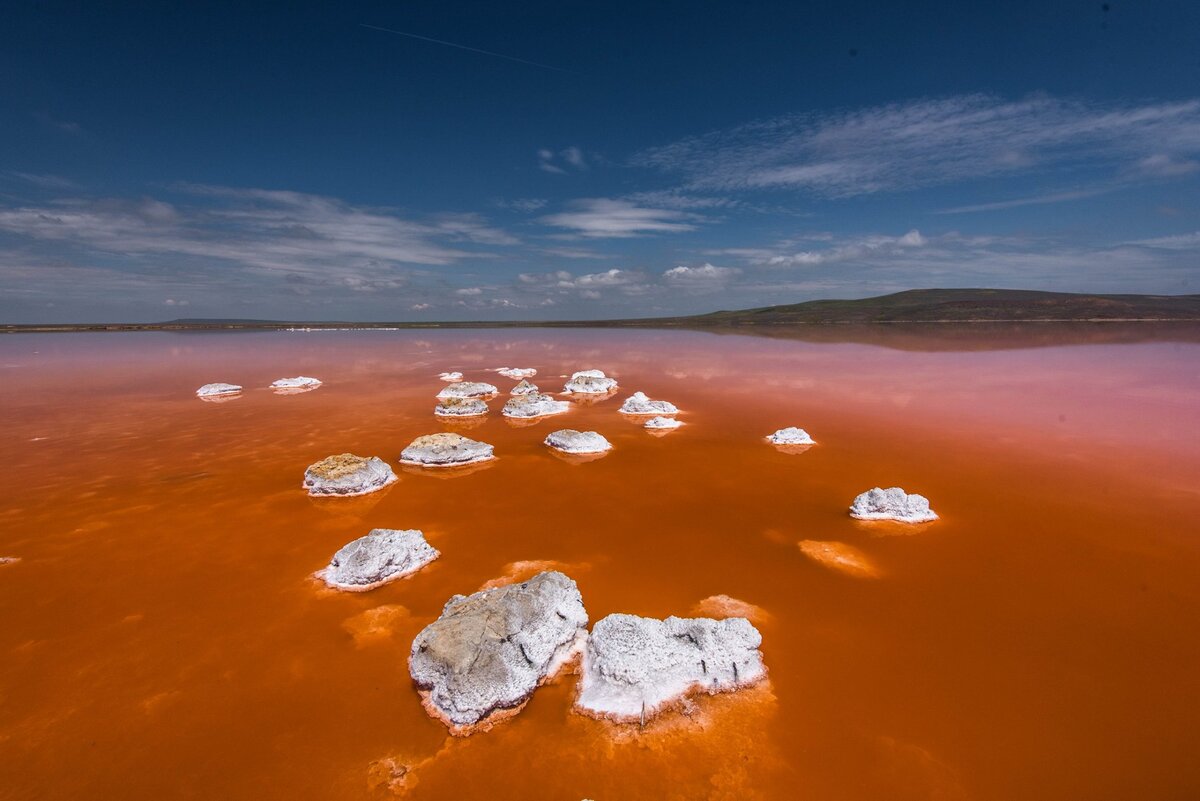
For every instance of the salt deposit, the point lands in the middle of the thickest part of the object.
(383, 555)
(450, 376)
(638, 403)
(217, 390)
(347, 474)
(460, 407)
(524, 388)
(840, 557)
(467, 389)
(299, 382)
(445, 450)
(662, 423)
(634, 667)
(790, 436)
(516, 372)
(568, 440)
(892, 504)
(590, 382)
(525, 406)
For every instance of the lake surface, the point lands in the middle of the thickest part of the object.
(160, 636)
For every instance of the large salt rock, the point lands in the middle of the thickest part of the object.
(568, 440)
(633, 667)
(216, 390)
(516, 372)
(451, 376)
(662, 423)
(638, 403)
(299, 382)
(384, 555)
(467, 389)
(347, 474)
(892, 504)
(489, 651)
(790, 436)
(524, 388)
(526, 406)
(590, 382)
(445, 450)
(460, 407)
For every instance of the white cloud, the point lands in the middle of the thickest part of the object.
(599, 218)
(569, 159)
(1177, 242)
(846, 250)
(704, 274)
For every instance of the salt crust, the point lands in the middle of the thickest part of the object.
(568, 440)
(211, 390)
(445, 450)
(638, 403)
(892, 504)
(346, 475)
(489, 651)
(526, 406)
(634, 667)
(590, 382)
(790, 436)
(467, 389)
(299, 382)
(460, 407)
(381, 556)
(662, 423)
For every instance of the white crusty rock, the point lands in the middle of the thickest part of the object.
(445, 450)
(524, 388)
(526, 406)
(516, 372)
(347, 474)
(384, 555)
(633, 666)
(662, 423)
(638, 403)
(450, 376)
(790, 436)
(592, 382)
(489, 651)
(215, 390)
(892, 504)
(299, 382)
(460, 407)
(467, 389)
(568, 440)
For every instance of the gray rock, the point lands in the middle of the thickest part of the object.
(590, 382)
(383, 555)
(892, 504)
(638, 403)
(525, 406)
(489, 651)
(460, 407)
(524, 388)
(445, 450)
(347, 474)
(633, 666)
(467, 389)
(568, 440)
(213, 390)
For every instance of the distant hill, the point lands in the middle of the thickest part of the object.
(913, 306)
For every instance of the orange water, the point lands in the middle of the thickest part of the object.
(160, 637)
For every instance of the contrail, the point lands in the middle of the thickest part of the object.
(464, 47)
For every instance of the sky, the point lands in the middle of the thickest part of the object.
(584, 160)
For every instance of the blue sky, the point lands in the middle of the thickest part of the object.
(294, 161)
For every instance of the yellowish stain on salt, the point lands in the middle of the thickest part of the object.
(840, 557)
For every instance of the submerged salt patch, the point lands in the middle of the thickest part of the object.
(525, 406)
(892, 504)
(633, 667)
(460, 407)
(524, 388)
(445, 450)
(516, 372)
(450, 376)
(214, 390)
(489, 651)
(790, 436)
(662, 423)
(638, 403)
(590, 382)
(840, 557)
(568, 440)
(299, 382)
(346, 474)
(381, 556)
(467, 389)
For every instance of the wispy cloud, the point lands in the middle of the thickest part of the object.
(600, 218)
(704, 275)
(1034, 200)
(910, 145)
(570, 159)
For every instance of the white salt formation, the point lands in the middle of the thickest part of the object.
(633, 667)
(892, 504)
(450, 376)
(384, 555)
(516, 372)
(445, 450)
(215, 390)
(662, 423)
(524, 388)
(638, 403)
(489, 651)
(790, 436)
(299, 382)
(568, 440)
(590, 382)
(460, 407)
(467, 389)
(526, 406)
(347, 474)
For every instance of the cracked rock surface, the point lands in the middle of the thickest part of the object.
(347, 474)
